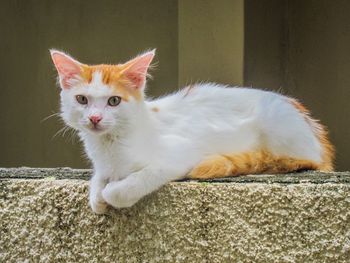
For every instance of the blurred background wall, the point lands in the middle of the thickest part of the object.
(300, 48)
(106, 31)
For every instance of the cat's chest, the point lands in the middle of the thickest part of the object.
(112, 159)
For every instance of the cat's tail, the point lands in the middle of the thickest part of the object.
(255, 162)
(321, 133)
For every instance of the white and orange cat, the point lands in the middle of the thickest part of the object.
(203, 131)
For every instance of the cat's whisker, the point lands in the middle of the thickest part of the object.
(69, 131)
(65, 131)
(62, 131)
(58, 132)
(50, 116)
(72, 135)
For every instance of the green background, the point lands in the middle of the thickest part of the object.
(301, 48)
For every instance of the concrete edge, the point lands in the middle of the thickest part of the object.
(315, 177)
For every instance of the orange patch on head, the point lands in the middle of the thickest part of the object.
(113, 77)
(128, 78)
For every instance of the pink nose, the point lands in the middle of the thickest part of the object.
(95, 119)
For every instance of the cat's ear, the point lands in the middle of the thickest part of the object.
(136, 69)
(69, 69)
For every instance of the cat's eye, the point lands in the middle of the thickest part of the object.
(82, 99)
(114, 101)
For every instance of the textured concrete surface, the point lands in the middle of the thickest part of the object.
(291, 218)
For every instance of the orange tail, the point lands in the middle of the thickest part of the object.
(257, 162)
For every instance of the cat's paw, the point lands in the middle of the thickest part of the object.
(118, 196)
(98, 206)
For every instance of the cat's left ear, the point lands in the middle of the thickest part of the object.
(136, 69)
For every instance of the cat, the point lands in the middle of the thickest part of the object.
(202, 131)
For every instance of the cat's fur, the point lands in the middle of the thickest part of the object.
(203, 131)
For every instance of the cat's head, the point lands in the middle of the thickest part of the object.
(95, 98)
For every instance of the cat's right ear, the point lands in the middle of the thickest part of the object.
(69, 70)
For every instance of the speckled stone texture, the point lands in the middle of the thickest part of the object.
(44, 217)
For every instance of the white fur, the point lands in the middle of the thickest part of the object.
(141, 149)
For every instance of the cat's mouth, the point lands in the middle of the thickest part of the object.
(97, 129)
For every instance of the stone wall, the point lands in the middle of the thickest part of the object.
(304, 217)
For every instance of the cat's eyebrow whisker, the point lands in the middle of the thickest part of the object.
(50, 116)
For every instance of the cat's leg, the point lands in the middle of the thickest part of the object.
(128, 191)
(172, 159)
(97, 203)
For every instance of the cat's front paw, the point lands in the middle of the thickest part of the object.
(98, 206)
(118, 195)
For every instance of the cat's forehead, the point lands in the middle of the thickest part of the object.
(95, 87)
(109, 74)
(102, 80)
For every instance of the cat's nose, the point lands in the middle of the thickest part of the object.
(95, 119)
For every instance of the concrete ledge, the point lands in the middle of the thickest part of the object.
(305, 217)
